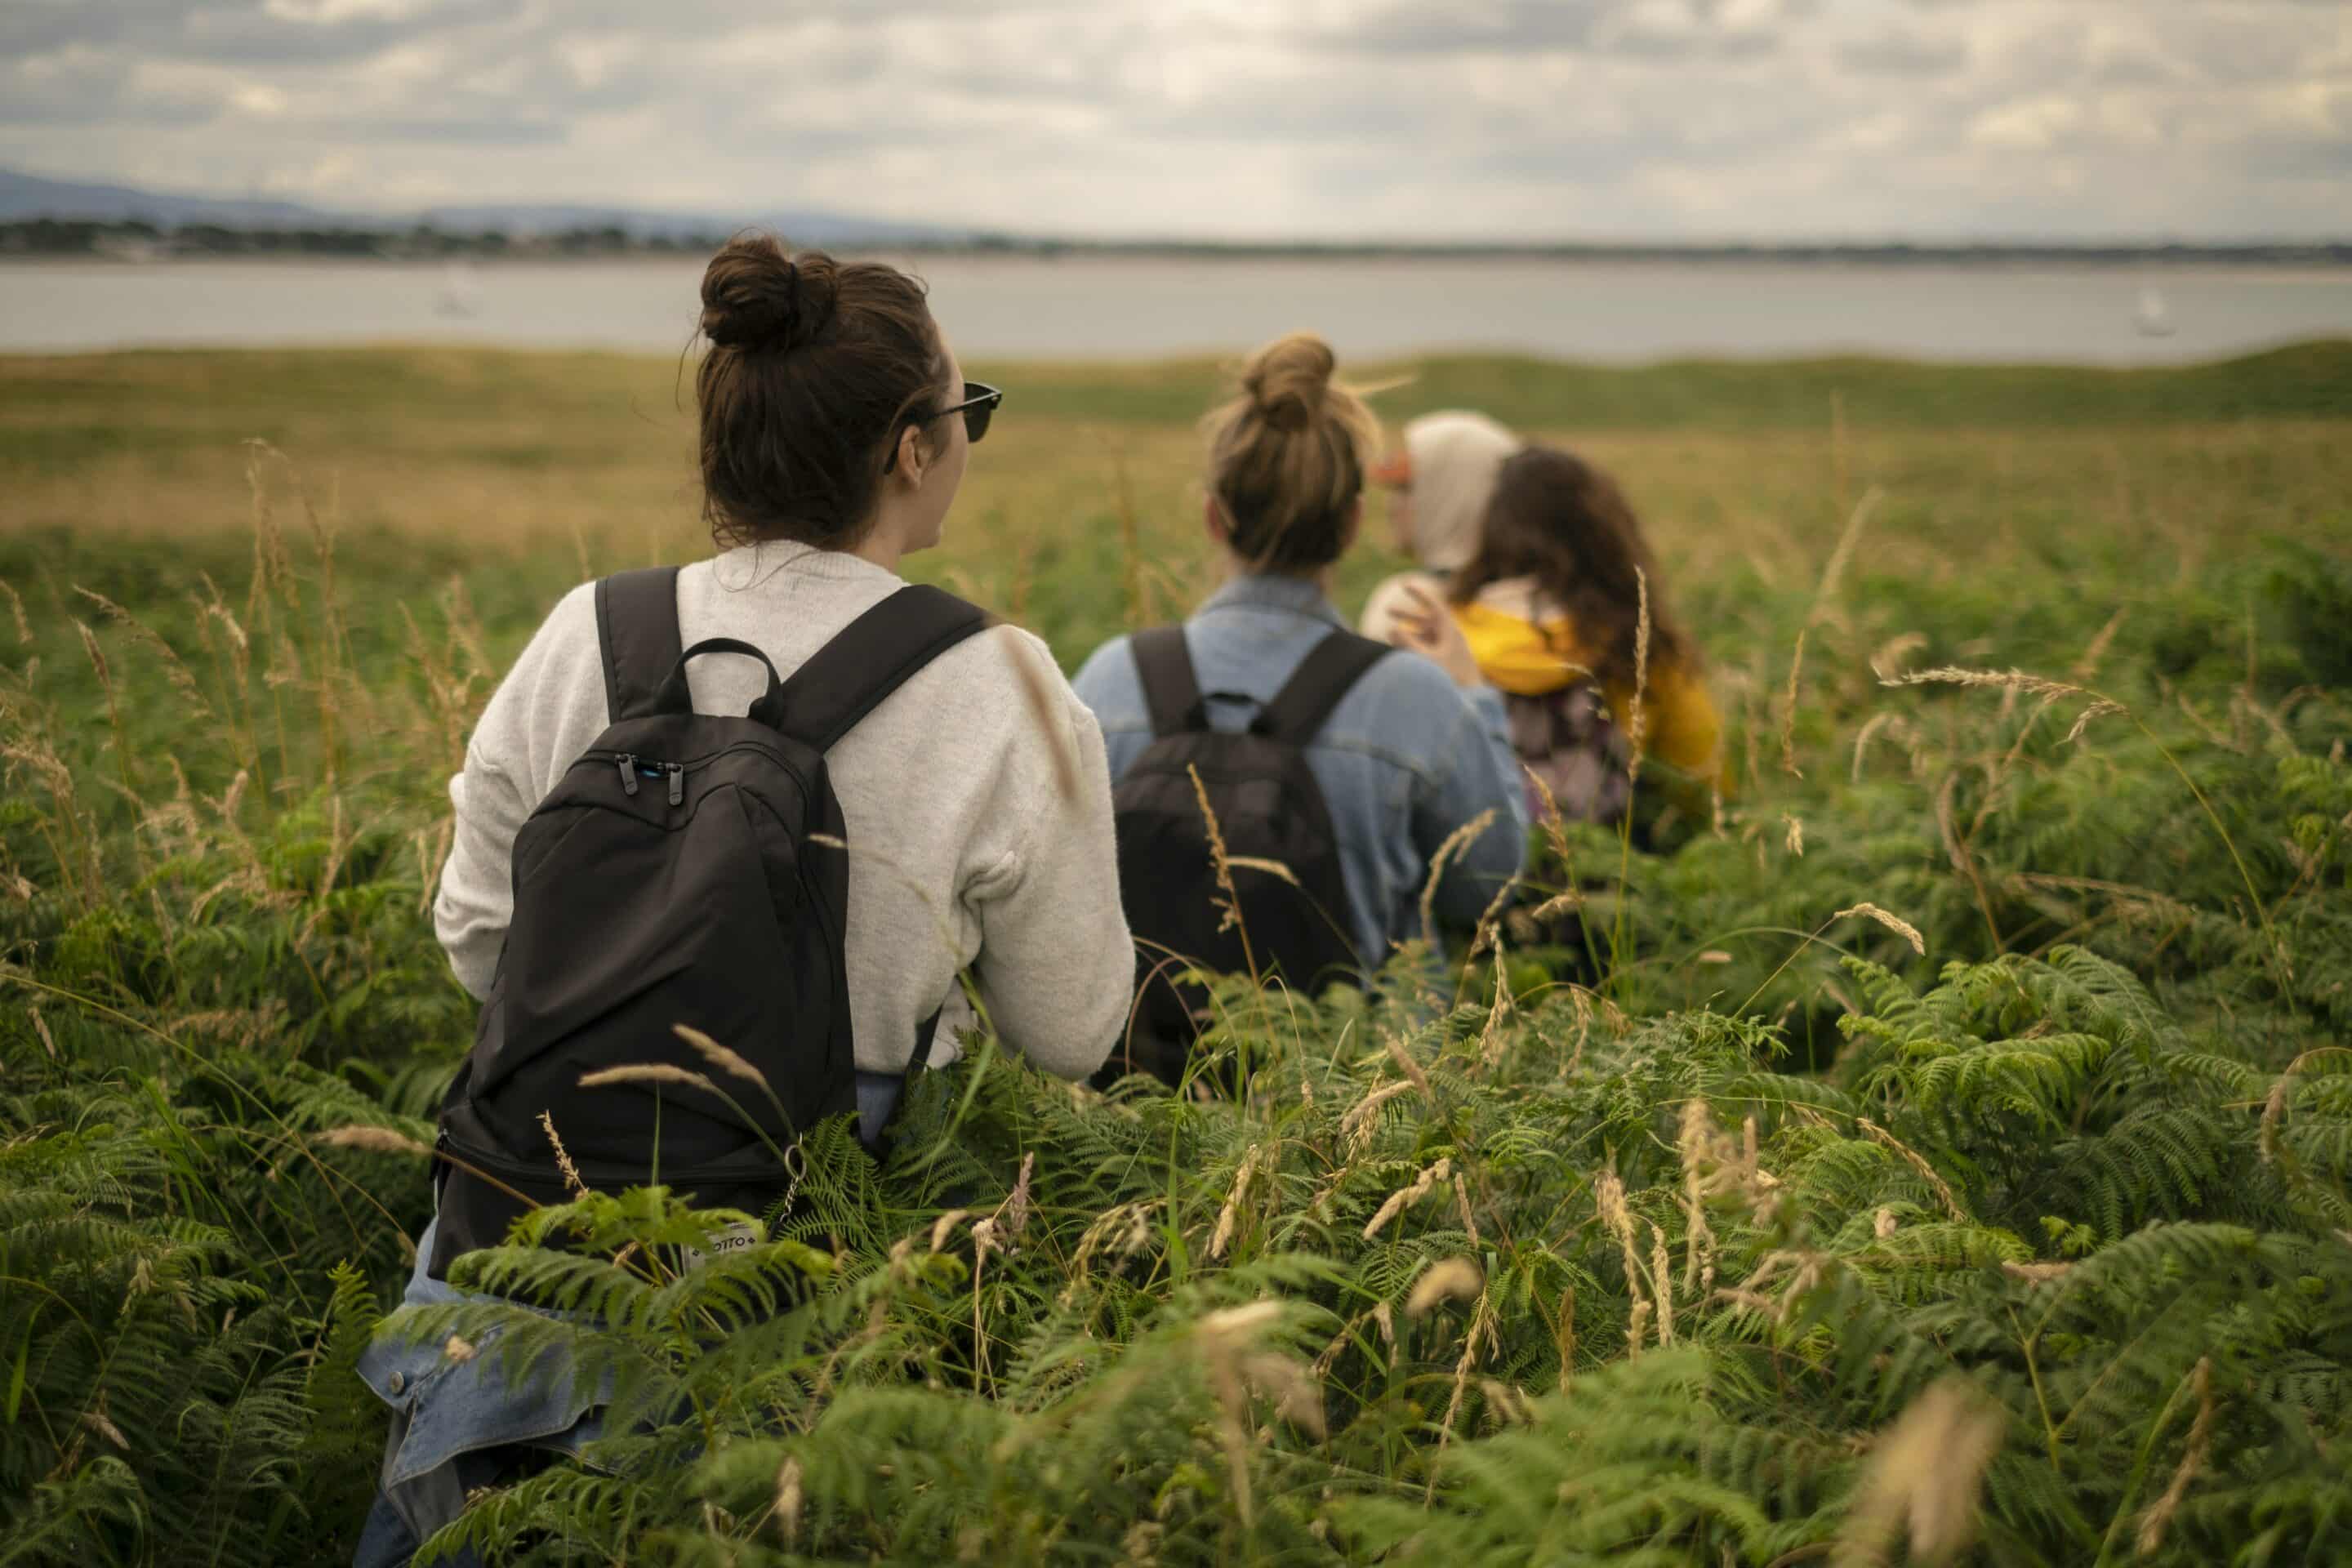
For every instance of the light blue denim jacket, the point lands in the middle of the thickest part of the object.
(1406, 758)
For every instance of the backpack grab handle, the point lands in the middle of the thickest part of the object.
(673, 696)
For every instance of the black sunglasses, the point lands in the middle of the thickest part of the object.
(978, 407)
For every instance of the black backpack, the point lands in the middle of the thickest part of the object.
(670, 877)
(1268, 809)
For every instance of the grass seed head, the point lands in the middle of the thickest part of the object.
(1406, 1196)
(571, 1182)
(944, 1226)
(788, 1501)
(647, 1072)
(1229, 1216)
(1895, 923)
(375, 1139)
(719, 1056)
(2158, 1517)
(1297, 1397)
(1447, 1279)
(1014, 1214)
(1923, 1479)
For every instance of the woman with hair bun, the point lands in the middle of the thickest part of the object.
(1412, 749)
(836, 427)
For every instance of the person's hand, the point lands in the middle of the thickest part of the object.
(1427, 626)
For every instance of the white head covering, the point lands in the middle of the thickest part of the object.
(1455, 457)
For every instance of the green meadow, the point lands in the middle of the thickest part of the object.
(1937, 1151)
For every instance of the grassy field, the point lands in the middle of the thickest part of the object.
(1943, 1152)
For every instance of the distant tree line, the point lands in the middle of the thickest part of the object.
(138, 239)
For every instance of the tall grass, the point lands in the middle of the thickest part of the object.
(1940, 1147)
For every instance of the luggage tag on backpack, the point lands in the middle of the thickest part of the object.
(736, 1237)
(748, 1233)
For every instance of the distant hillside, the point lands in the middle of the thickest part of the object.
(25, 197)
(801, 225)
(582, 228)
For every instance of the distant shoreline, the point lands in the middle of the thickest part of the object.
(2328, 262)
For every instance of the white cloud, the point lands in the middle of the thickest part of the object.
(1256, 118)
(257, 98)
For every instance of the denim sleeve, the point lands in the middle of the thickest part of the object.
(1107, 684)
(1476, 771)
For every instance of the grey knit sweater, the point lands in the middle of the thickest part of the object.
(971, 842)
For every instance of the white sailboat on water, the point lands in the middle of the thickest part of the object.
(2152, 319)
(461, 294)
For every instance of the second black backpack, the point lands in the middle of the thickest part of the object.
(1282, 855)
(688, 868)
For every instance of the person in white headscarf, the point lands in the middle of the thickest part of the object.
(1439, 486)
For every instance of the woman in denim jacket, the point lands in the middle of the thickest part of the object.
(1418, 747)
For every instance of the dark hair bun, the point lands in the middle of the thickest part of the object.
(1287, 379)
(757, 299)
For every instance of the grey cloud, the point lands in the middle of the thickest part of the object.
(228, 32)
(1639, 40)
(1535, 27)
(33, 27)
(1898, 51)
(2300, 158)
(1050, 114)
(247, 34)
(484, 130)
(93, 92)
(1515, 26)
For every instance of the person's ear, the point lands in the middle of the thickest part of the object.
(913, 461)
(1212, 518)
(1353, 520)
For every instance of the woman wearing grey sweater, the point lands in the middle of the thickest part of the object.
(836, 427)
(977, 798)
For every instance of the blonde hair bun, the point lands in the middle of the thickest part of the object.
(1287, 457)
(1287, 380)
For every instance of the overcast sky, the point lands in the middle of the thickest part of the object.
(1507, 119)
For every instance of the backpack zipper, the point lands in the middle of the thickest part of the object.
(630, 765)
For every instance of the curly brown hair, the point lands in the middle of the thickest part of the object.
(1564, 522)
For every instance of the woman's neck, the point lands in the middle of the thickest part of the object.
(881, 549)
(1323, 578)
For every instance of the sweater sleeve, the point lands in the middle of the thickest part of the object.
(1056, 968)
(513, 748)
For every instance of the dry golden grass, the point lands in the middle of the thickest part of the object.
(523, 452)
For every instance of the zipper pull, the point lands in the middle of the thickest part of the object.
(677, 784)
(628, 772)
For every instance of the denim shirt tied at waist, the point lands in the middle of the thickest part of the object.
(1406, 759)
(443, 1408)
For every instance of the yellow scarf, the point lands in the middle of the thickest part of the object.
(1515, 654)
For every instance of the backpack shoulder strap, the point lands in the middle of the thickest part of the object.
(1315, 688)
(867, 661)
(637, 629)
(1170, 690)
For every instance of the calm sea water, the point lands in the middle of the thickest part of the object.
(1122, 308)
